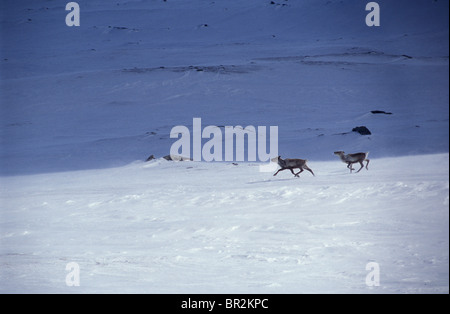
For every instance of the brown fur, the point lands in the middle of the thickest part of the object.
(293, 164)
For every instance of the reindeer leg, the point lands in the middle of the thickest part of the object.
(367, 164)
(297, 174)
(349, 166)
(279, 171)
(309, 169)
(362, 166)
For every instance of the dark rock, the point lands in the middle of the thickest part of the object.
(380, 112)
(362, 130)
(151, 157)
(176, 158)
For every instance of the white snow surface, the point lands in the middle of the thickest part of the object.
(186, 227)
(83, 107)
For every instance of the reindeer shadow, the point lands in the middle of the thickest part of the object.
(273, 180)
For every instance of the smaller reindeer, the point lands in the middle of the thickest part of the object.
(292, 164)
(350, 159)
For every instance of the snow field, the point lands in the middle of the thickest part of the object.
(192, 227)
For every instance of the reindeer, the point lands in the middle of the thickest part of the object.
(292, 164)
(350, 159)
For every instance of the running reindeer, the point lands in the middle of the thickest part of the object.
(350, 159)
(292, 164)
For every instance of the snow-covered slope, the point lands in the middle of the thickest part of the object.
(164, 227)
(108, 92)
(83, 107)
